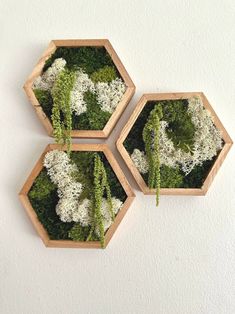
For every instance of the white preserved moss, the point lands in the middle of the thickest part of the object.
(69, 208)
(108, 94)
(207, 142)
(48, 78)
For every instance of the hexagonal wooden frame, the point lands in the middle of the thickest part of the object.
(69, 243)
(173, 191)
(54, 44)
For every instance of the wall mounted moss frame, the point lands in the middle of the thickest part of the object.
(25, 200)
(145, 100)
(96, 43)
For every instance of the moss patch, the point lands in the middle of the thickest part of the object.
(94, 118)
(96, 62)
(181, 131)
(90, 59)
(43, 196)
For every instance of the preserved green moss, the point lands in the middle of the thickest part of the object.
(90, 59)
(43, 200)
(43, 197)
(182, 134)
(106, 74)
(42, 186)
(94, 118)
(45, 100)
(171, 177)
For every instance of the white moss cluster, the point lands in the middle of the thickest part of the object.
(84, 213)
(140, 161)
(207, 142)
(108, 94)
(61, 172)
(48, 78)
(82, 85)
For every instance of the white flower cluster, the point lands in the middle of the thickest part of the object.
(140, 160)
(207, 142)
(61, 173)
(47, 79)
(83, 84)
(109, 95)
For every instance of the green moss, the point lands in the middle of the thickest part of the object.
(171, 177)
(79, 233)
(42, 186)
(44, 200)
(43, 197)
(45, 100)
(95, 61)
(197, 176)
(94, 118)
(105, 74)
(90, 59)
(175, 112)
(181, 130)
(61, 111)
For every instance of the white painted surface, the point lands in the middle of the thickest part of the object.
(178, 258)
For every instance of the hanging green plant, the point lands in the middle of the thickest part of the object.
(61, 111)
(101, 187)
(151, 141)
(76, 196)
(173, 143)
(79, 89)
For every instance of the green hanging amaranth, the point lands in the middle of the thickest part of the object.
(101, 187)
(151, 141)
(61, 111)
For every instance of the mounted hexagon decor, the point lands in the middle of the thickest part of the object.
(77, 198)
(174, 144)
(79, 88)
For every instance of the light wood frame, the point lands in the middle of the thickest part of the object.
(23, 195)
(173, 191)
(79, 43)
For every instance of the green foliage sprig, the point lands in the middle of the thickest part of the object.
(151, 140)
(101, 186)
(61, 111)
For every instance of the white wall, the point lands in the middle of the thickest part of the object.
(178, 258)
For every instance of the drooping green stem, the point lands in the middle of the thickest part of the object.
(61, 111)
(151, 140)
(101, 186)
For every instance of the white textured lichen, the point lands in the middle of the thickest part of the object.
(82, 85)
(139, 159)
(48, 78)
(70, 208)
(110, 94)
(207, 142)
(61, 172)
(105, 212)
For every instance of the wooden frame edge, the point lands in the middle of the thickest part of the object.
(74, 43)
(135, 173)
(23, 196)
